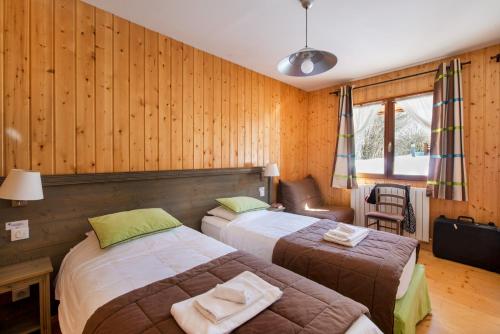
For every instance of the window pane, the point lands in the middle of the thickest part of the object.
(369, 137)
(413, 117)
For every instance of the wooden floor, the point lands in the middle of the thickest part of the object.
(464, 299)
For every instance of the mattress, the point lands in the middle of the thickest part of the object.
(257, 232)
(212, 226)
(90, 277)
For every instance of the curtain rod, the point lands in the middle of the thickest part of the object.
(402, 78)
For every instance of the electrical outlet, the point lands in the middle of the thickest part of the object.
(262, 191)
(20, 293)
(19, 233)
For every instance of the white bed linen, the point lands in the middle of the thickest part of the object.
(406, 275)
(363, 326)
(257, 232)
(90, 277)
(211, 226)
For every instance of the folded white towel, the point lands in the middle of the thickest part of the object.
(216, 309)
(343, 232)
(349, 229)
(192, 321)
(349, 243)
(233, 293)
(339, 234)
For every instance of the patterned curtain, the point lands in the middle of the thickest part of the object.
(447, 178)
(344, 170)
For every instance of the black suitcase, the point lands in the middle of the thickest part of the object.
(462, 240)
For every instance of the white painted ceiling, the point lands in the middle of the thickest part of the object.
(368, 36)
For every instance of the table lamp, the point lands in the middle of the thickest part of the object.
(271, 170)
(21, 186)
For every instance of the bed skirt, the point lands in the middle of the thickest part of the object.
(414, 306)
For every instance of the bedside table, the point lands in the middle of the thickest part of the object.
(24, 274)
(276, 209)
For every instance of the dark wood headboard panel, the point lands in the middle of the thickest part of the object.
(59, 222)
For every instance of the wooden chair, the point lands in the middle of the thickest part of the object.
(388, 201)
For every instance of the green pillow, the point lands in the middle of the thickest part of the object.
(242, 204)
(127, 225)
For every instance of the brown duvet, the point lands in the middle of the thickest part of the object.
(305, 306)
(368, 273)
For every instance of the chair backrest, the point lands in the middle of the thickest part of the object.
(391, 198)
(294, 195)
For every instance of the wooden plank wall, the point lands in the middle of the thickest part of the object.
(481, 89)
(293, 133)
(83, 91)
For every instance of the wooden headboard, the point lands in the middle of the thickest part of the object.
(59, 222)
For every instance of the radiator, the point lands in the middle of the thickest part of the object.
(418, 199)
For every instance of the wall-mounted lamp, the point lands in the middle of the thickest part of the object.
(271, 170)
(21, 186)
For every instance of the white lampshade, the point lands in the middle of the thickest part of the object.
(271, 170)
(22, 185)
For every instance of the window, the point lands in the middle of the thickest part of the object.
(369, 126)
(393, 137)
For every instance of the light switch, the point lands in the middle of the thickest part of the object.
(19, 230)
(262, 191)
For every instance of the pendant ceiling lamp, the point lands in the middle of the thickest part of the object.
(307, 61)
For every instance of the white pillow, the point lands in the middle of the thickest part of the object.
(223, 213)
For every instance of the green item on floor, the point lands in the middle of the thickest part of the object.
(414, 305)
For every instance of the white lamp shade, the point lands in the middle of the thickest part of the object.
(22, 185)
(271, 170)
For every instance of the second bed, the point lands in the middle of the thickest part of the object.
(365, 273)
(257, 232)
